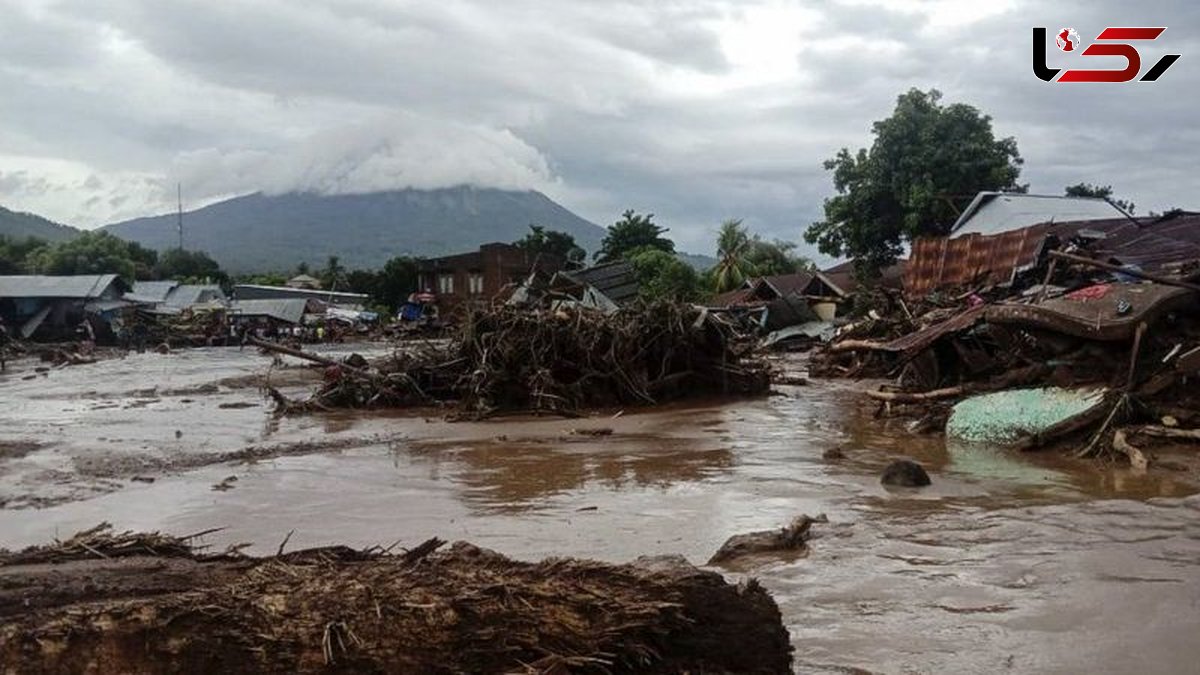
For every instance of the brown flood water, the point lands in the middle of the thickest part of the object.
(1008, 563)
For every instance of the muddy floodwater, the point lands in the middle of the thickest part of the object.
(1007, 563)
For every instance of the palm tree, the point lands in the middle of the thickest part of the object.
(734, 244)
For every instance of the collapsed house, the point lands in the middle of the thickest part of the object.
(1046, 330)
(46, 308)
(173, 297)
(784, 300)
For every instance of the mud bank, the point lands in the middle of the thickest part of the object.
(100, 603)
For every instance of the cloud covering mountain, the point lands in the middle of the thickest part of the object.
(696, 111)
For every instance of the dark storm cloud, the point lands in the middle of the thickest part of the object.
(697, 111)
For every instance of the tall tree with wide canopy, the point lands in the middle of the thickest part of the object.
(925, 160)
(633, 232)
(561, 244)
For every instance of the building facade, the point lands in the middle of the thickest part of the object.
(480, 275)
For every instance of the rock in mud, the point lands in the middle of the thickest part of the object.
(905, 473)
(794, 537)
(154, 604)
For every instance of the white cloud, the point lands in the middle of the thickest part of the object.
(694, 110)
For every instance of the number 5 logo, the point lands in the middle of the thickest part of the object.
(1133, 60)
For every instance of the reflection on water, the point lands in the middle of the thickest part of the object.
(517, 475)
(1007, 563)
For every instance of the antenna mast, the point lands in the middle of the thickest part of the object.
(179, 220)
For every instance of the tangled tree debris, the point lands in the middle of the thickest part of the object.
(160, 606)
(561, 361)
(1117, 345)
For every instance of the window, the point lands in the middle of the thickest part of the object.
(446, 284)
(475, 283)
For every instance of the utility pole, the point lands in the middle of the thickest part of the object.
(179, 221)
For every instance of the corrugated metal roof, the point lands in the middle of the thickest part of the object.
(258, 292)
(187, 295)
(938, 262)
(151, 291)
(998, 212)
(842, 275)
(81, 286)
(290, 310)
(616, 280)
(789, 284)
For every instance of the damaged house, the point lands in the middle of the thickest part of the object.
(606, 287)
(51, 307)
(173, 297)
(783, 300)
(1087, 324)
(479, 276)
(1001, 235)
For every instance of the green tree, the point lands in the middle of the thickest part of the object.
(302, 268)
(333, 277)
(662, 276)
(923, 157)
(90, 253)
(189, 266)
(144, 259)
(561, 244)
(389, 286)
(734, 245)
(266, 279)
(1099, 192)
(18, 255)
(630, 233)
(776, 257)
(397, 280)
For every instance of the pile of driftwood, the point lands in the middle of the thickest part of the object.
(1088, 323)
(461, 610)
(508, 359)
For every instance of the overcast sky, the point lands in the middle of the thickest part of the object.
(696, 111)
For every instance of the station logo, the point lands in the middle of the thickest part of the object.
(1112, 41)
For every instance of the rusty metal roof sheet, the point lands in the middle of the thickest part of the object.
(1096, 317)
(938, 262)
(919, 340)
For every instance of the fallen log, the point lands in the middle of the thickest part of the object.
(793, 537)
(315, 358)
(1137, 459)
(851, 345)
(337, 609)
(1167, 432)
(917, 396)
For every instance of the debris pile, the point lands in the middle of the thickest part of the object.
(463, 609)
(561, 361)
(1071, 349)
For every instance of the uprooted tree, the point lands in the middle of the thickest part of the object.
(514, 359)
(925, 158)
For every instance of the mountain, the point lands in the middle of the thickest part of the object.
(22, 225)
(699, 261)
(259, 233)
